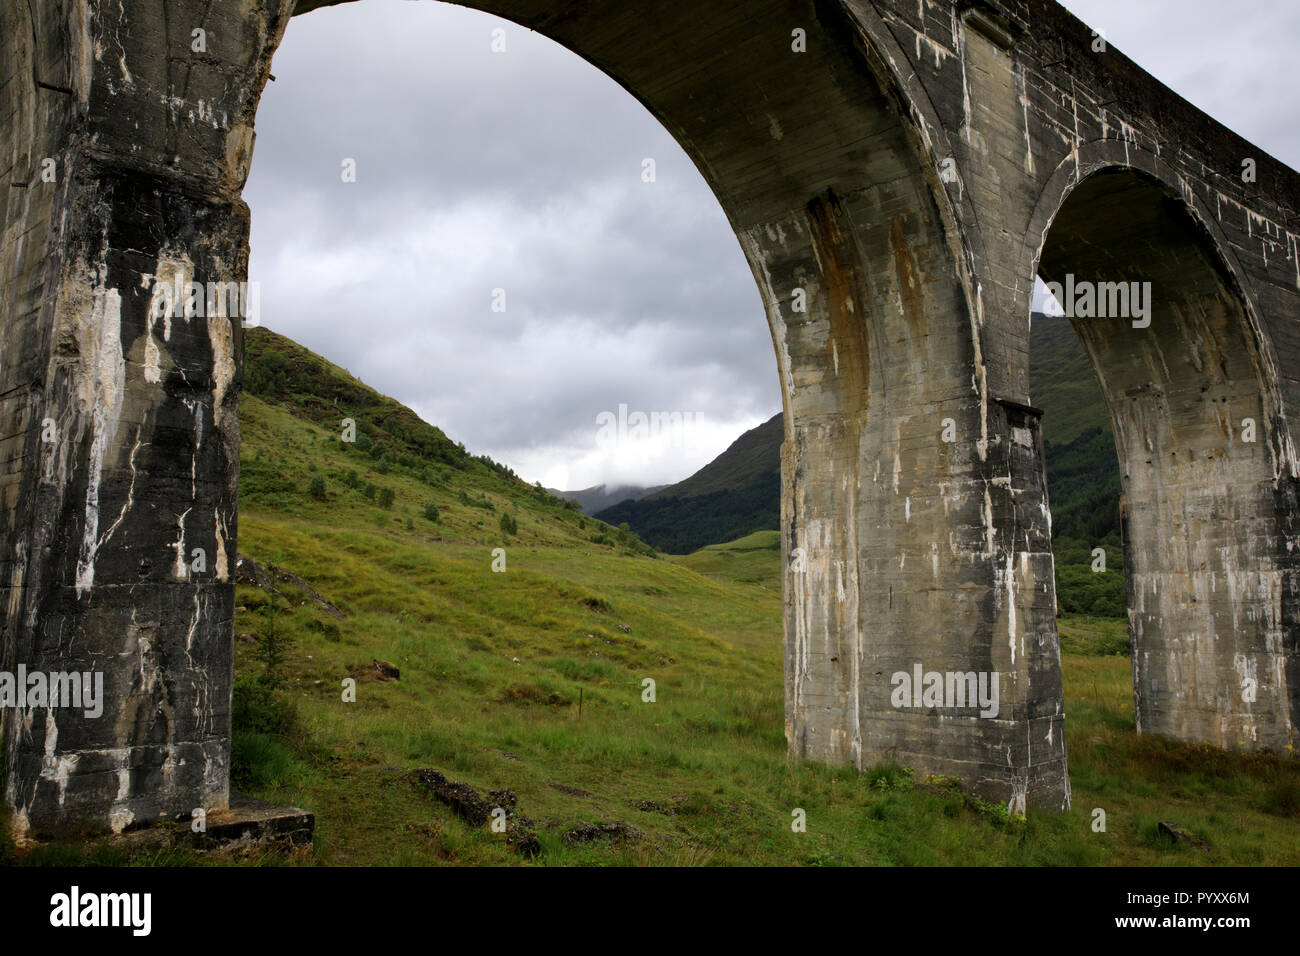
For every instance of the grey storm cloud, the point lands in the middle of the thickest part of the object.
(521, 171)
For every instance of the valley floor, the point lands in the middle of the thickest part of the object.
(494, 667)
(524, 637)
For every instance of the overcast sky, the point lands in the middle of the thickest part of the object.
(522, 171)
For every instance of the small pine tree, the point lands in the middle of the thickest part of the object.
(272, 647)
(431, 511)
(369, 492)
(317, 489)
(386, 496)
(508, 525)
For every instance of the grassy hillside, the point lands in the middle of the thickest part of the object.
(753, 559)
(532, 680)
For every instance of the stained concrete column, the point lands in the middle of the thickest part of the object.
(121, 519)
(1211, 553)
(914, 514)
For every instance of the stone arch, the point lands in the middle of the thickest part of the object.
(828, 169)
(1098, 156)
(916, 551)
(1205, 506)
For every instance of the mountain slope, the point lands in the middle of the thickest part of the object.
(1083, 481)
(737, 493)
(599, 497)
(753, 457)
(1082, 468)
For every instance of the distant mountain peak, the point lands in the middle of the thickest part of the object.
(602, 496)
(737, 493)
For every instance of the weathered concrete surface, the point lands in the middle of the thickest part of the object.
(150, 149)
(904, 178)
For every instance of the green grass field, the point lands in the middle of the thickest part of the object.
(533, 680)
(493, 665)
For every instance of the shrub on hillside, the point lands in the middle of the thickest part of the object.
(272, 647)
(258, 709)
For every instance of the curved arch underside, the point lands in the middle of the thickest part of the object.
(1206, 543)
(894, 174)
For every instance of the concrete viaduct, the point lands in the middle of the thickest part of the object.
(897, 172)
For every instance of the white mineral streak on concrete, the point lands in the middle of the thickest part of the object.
(194, 625)
(1029, 146)
(1129, 135)
(182, 568)
(989, 530)
(172, 274)
(55, 766)
(95, 314)
(1074, 138)
(130, 495)
(977, 332)
(223, 365)
(16, 575)
(940, 52)
(222, 565)
(965, 92)
(1010, 580)
(152, 371)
